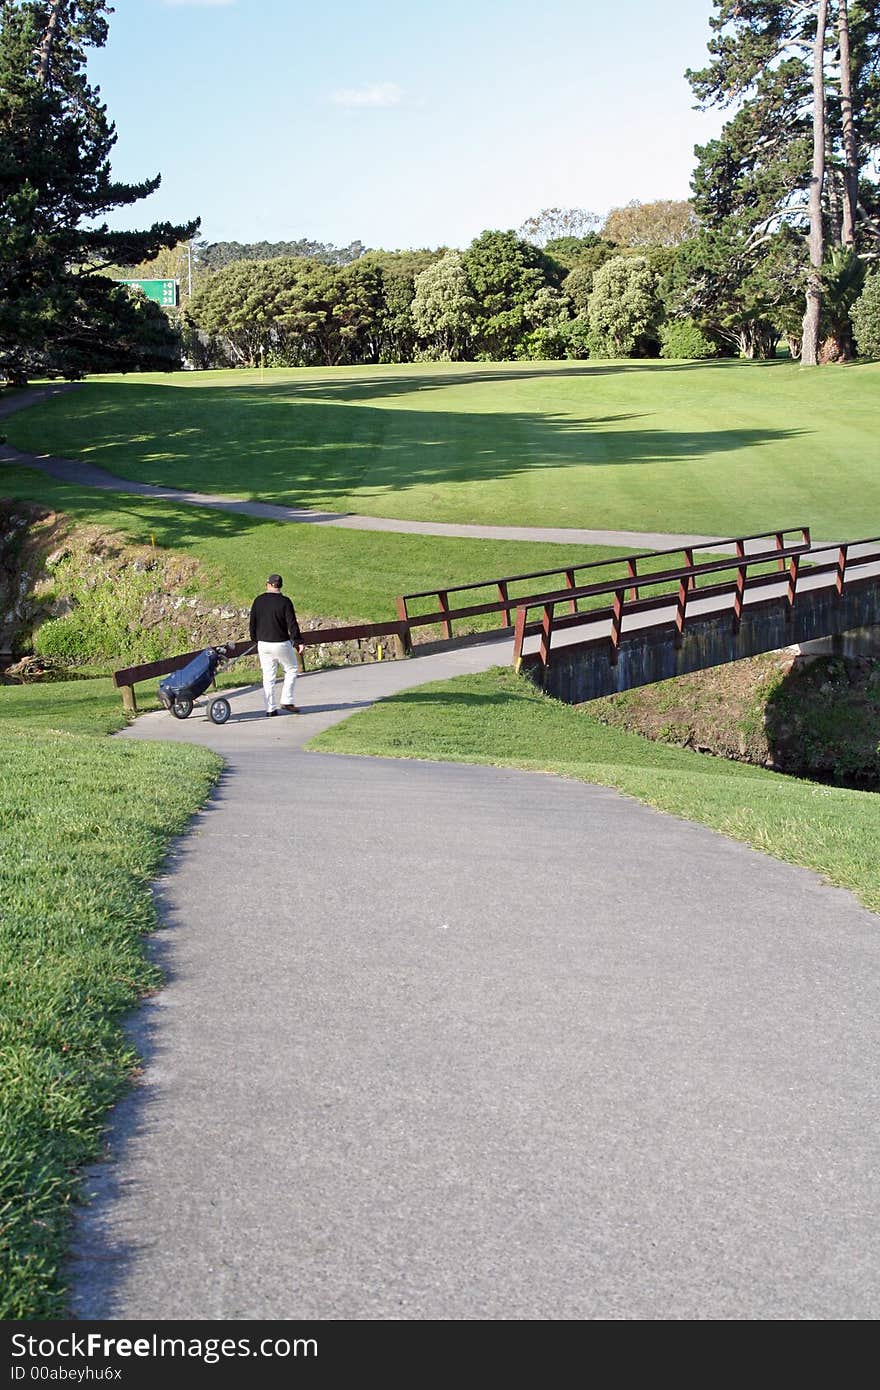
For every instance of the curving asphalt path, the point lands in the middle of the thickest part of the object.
(449, 1042)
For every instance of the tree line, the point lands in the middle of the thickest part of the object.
(779, 242)
(503, 297)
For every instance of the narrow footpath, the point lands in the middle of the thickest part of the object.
(449, 1042)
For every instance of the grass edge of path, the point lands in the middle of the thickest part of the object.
(87, 822)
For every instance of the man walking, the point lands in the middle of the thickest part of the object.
(276, 632)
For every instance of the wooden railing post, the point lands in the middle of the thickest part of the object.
(683, 591)
(793, 568)
(689, 561)
(570, 584)
(443, 600)
(404, 637)
(633, 574)
(739, 596)
(129, 699)
(780, 545)
(502, 594)
(546, 635)
(840, 577)
(519, 634)
(617, 623)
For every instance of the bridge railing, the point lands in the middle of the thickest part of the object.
(757, 570)
(129, 676)
(507, 602)
(847, 560)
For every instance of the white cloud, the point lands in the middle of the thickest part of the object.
(376, 94)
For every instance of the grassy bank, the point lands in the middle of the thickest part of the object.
(817, 718)
(499, 719)
(709, 447)
(84, 823)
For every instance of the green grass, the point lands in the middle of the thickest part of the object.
(500, 719)
(352, 576)
(72, 707)
(713, 448)
(84, 823)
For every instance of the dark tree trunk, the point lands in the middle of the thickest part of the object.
(810, 350)
(47, 43)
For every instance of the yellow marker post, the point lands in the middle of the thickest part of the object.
(379, 651)
(152, 540)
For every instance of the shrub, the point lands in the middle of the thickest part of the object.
(866, 318)
(685, 339)
(105, 619)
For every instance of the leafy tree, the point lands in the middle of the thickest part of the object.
(866, 317)
(623, 308)
(354, 324)
(578, 284)
(555, 224)
(242, 306)
(664, 223)
(570, 251)
(505, 274)
(548, 317)
(217, 255)
(444, 308)
(740, 301)
(395, 331)
(59, 313)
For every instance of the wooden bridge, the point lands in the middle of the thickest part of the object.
(588, 630)
(617, 636)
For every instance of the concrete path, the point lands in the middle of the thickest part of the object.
(447, 1042)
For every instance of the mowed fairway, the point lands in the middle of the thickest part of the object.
(718, 447)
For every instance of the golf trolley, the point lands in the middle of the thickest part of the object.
(179, 691)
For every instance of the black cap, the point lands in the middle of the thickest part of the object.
(275, 580)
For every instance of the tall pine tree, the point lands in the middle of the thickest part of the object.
(802, 78)
(59, 315)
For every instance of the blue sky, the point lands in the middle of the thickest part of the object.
(399, 122)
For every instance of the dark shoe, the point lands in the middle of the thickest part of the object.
(271, 713)
(291, 709)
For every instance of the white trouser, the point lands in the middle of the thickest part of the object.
(271, 655)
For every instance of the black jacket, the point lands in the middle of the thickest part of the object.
(273, 619)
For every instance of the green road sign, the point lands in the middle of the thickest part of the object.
(164, 292)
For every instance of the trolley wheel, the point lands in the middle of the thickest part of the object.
(181, 707)
(219, 711)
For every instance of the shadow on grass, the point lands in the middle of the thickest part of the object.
(303, 445)
(400, 385)
(464, 699)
